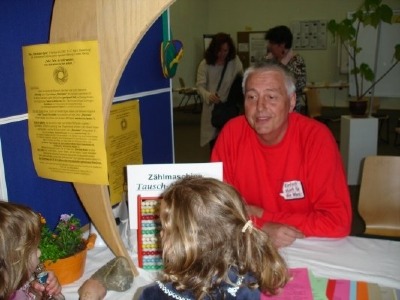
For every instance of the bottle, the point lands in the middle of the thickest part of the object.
(41, 276)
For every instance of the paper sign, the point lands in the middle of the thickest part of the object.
(151, 180)
(298, 288)
(318, 286)
(65, 111)
(124, 145)
(292, 190)
(342, 289)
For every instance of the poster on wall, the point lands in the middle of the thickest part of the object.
(65, 111)
(257, 47)
(251, 47)
(207, 40)
(309, 35)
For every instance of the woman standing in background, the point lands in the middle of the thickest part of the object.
(221, 51)
(280, 40)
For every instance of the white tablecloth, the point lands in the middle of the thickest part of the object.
(352, 258)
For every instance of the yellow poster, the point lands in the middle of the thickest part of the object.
(124, 145)
(65, 111)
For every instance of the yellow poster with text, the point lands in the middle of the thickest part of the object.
(65, 111)
(124, 145)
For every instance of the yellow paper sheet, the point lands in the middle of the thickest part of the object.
(124, 145)
(65, 117)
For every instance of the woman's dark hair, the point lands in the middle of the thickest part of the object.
(280, 35)
(216, 43)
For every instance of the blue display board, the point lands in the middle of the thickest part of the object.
(27, 22)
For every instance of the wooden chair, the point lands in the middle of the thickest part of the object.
(379, 199)
(314, 108)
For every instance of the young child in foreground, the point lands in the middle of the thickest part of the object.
(210, 248)
(19, 255)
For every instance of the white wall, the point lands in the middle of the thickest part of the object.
(190, 19)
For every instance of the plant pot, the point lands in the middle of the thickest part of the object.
(68, 269)
(358, 108)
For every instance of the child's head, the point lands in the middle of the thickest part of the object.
(19, 241)
(204, 233)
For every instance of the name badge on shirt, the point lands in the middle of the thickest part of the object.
(292, 190)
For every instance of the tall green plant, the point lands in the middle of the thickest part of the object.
(371, 13)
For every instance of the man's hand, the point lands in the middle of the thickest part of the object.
(254, 211)
(282, 235)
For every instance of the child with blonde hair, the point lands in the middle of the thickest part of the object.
(211, 250)
(19, 256)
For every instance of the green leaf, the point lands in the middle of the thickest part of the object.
(366, 72)
(355, 71)
(386, 13)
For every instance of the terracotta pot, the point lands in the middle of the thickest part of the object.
(68, 269)
(358, 108)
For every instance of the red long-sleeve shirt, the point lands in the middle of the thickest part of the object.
(306, 161)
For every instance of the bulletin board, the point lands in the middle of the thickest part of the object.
(309, 35)
(251, 47)
(207, 40)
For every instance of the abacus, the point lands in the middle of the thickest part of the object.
(149, 228)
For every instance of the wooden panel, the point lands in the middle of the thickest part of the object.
(118, 25)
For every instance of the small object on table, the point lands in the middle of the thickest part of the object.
(115, 275)
(41, 275)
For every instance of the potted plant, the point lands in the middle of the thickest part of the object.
(63, 250)
(370, 13)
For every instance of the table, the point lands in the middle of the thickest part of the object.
(352, 258)
(328, 85)
(96, 258)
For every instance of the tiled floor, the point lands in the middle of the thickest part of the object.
(188, 150)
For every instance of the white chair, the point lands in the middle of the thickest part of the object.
(188, 93)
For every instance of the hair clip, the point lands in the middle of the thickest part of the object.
(249, 224)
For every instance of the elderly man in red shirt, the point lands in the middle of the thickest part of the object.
(286, 166)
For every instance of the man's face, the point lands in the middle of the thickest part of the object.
(267, 105)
